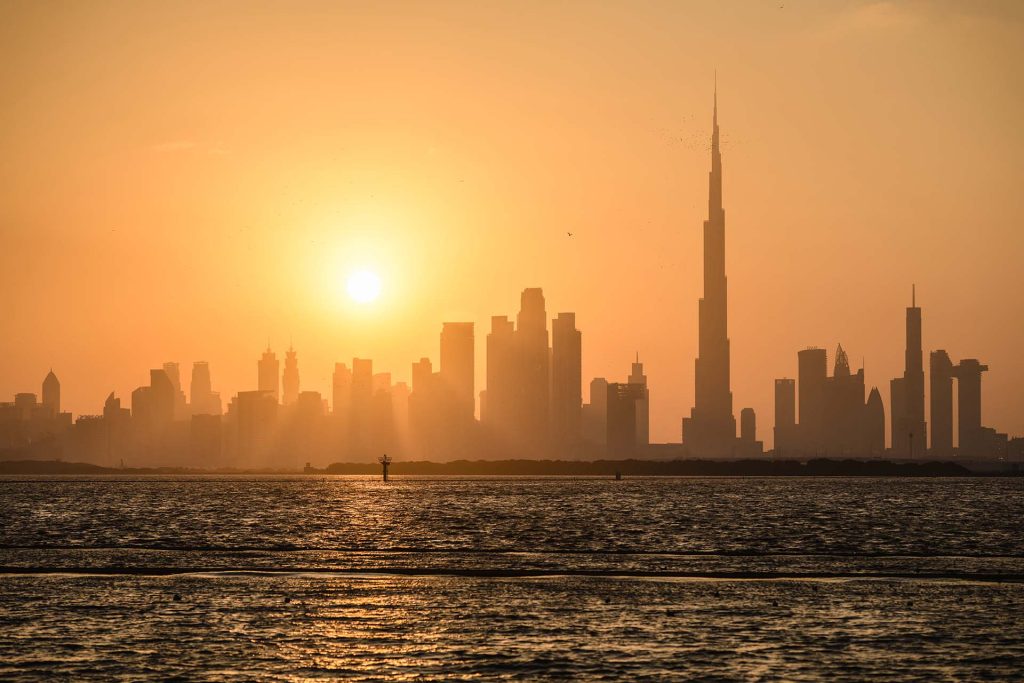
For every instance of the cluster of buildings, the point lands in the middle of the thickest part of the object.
(532, 405)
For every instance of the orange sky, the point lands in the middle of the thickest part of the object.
(184, 181)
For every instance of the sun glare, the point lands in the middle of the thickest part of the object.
(363, 286)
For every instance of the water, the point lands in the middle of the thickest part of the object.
(232, 578)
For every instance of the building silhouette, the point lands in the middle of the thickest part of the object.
(458, 369)
(710, 431)
(566, 381)
(637, 378)
(812, 374)
(874, 424)
(621, 418)
(290, 379)
(941, 373)
(203, 400)
(785, 416)
(51, 394)
(269, 374)
(173, 372)
(497, 404)
(909, 438)
(531, 416)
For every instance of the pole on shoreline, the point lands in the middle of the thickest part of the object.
(384, 461)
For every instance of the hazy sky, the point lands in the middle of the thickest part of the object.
(184, 181)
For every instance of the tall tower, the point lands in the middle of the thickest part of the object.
(290, 380)
(566, 379)
(637, 378)
(711, 428)
(909, 438)
(533, 363)
(458, 369)
(51, 394)
(269, 374)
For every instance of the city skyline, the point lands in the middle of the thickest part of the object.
(873, 205)
(532, 403)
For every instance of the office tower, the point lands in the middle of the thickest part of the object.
(909, 438)
(843, 432)
(458, 368)
(621, 418)
(711, 428)
(256, 421)
(290, 380)
(532, 367)
(153, 405)
(341, 391)
(812, 375)
(173, 373)
(204, 401)
(643, 404)
(595, 413)
(270, 374)
(361, 411)
(566, 379)
(785, 416)
(942, 373)
(972, 435)
(51, 394)
(501, 375)
(874, 424)
(748, 426)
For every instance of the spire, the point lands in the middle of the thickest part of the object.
(715, 115)
(913, 296)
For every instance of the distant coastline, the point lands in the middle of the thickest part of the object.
(819, 467)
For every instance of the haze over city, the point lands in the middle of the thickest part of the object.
(188, 183)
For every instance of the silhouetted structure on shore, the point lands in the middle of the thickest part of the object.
(710, 431)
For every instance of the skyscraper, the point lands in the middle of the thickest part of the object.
(501, 376)
(909, 438)
(51, 394)
(813, 377)
(637, 378)
(711, 428)
(566, 379)
(942, 373)
(290, 381)
(785, 416)
(457, 368)
(532, 367)
(204, 401)
(269, 374)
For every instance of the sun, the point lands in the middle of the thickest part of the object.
(363, 286)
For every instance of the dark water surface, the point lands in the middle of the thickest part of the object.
(241, 578)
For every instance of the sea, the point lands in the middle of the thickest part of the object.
(243, 578)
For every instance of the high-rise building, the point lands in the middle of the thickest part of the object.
(531, 426)
(637, 378)
(566, 379)
(203, 400)
(621, 418)
(173, 372)
(290, 380)
(813, 375)
(785, 416)
(361, 411)
(874, 424)
(844, 408)
(942, 373)
(341, 394)
(51, 394)
(270, 374)
(973, 439)
(457, 369)
(595, 413)
(501, 376)
(710, 431)
(909, 438)
(748, 426)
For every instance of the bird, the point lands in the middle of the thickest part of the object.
(569, 234)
